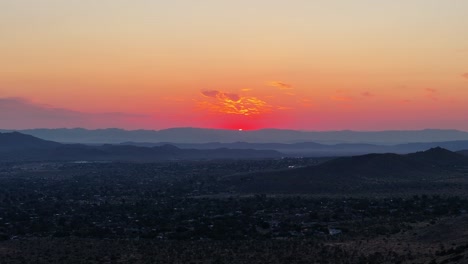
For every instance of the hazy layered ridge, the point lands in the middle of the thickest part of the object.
(200, 135)
(313, 149)
(20, 147)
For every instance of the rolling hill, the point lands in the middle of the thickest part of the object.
(367, 173)
(16, 141)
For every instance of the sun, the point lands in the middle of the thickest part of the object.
(240, 129)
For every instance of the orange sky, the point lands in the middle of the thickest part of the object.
(300, 64)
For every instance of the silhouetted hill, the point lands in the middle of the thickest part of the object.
(17, 141)
(449, 145)
(18, 147)
(463, 152)
(372, 172)
(201, 135)
(439, 156)
(373, 166)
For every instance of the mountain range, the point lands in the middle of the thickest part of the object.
(201, 135)
(317, 149)
(433, 169)
(16, 146)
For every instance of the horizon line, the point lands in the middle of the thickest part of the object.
(224, 129)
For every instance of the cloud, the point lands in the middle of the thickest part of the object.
(465, 75)
(341, 96)
(431, 94)
(232, 96)
(221, 95)
(367, 94)
(173, 99)
(305, 102)
(210, 93)
(20, 113)
(281, 85)
(284, 108)
(231, 103)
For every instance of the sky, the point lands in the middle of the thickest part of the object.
(244, 64)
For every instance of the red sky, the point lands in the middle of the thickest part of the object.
(310, 65)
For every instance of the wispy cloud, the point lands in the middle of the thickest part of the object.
(221, 95)
(174, 99)
(341, 96)
(404, 101)
(210, 93)
(284, 108)
(431, 94)
(305, 102)
(280, 85)
(367, 94)
(18, 113)
(465, 75)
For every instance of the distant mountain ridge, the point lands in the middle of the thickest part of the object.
(20, 147)
(202, 135)
(317, 149)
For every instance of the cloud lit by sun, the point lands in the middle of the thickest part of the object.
(261, 103)
(231, 103)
